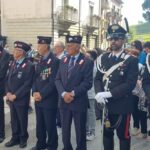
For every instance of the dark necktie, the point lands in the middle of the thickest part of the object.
(114, 58)
(17, 65)
(71, 66)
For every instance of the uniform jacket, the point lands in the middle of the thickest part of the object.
(19, 81)
(80, 81)
(4, 63)
(121, 82)
(44, 82)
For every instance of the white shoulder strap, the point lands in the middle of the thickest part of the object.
(147, 62)
(113, 68)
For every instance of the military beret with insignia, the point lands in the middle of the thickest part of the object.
(74, 39)
(24, 46)
(44, 40)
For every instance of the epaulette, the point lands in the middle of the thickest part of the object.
(99, 64)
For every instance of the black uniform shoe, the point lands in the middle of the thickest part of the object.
(23, 144)
(11, 143)
(2, 139)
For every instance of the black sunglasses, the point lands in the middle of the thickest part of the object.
(115, 38)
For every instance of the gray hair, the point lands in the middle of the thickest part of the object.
(60, 43)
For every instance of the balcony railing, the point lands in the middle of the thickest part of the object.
(105, 4)
(68, 14)
(114, 15)
(93, 21)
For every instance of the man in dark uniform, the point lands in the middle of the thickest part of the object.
(4, 62)
(46, 96)
(116, 77)
(18, 86)
(73, 80)
(146, 75)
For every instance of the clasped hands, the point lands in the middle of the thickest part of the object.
(37, 96)
(68, 97)
(11, 97)
(101, 97)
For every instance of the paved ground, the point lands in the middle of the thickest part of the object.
(94, 145)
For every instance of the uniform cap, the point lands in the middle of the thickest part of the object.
(116, 31)
(74, 39)
(24, 46)
(44, 40)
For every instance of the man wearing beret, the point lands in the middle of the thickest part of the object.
(46, 96)
(18, 86)
(4, 62)
(73, 80)
(115, 79)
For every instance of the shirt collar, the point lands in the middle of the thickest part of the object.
(118, 54)
(46, 56)
(76, 56)
(61, 55)
(20, 60)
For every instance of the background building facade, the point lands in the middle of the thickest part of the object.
(27, 19)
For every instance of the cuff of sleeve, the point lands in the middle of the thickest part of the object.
(73, 93)
(109, 94)
(63, 94)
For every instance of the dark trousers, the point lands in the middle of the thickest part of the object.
(58, 118)
(143, 121)
(98, 111)
(80, 129)
(122, 130)
(2, 118)
(19, 122)
(135, 114)
(46, 128)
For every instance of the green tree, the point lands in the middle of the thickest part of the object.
(146, 8)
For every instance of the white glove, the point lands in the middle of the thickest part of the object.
(101, 97)
(101, 100)
(103, 94)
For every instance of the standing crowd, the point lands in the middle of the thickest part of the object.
(72, 83)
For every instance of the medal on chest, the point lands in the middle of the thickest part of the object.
(19, 75)
(45, 73)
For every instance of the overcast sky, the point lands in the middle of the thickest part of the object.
(132, 9)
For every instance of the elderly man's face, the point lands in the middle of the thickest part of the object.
(18, 53)
(42, 49)
(58, 49)
(73, 48)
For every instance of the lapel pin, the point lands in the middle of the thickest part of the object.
(48, 62)
(81, 62)
(23, 65)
